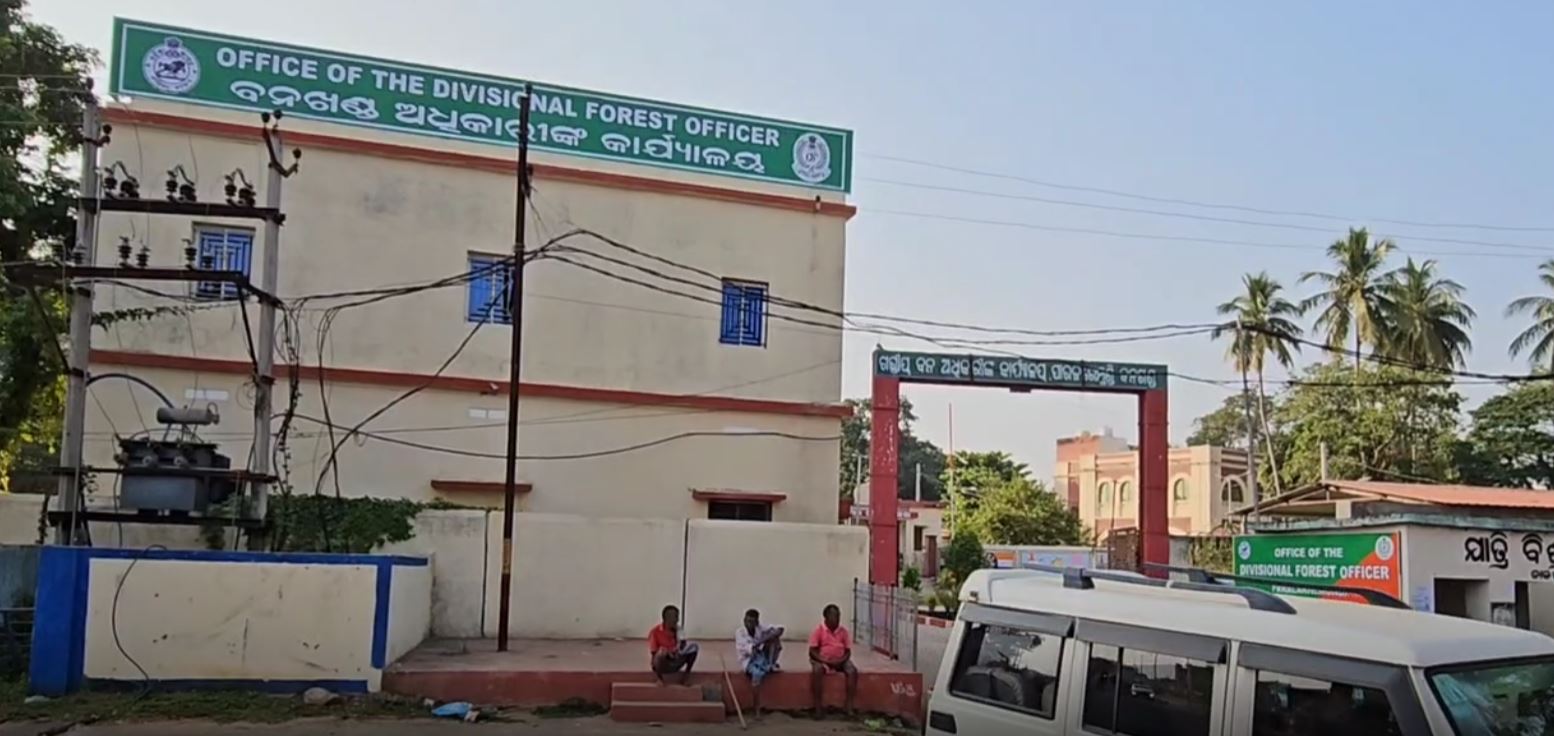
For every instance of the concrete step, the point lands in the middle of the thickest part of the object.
(630, 712)
(652, 692)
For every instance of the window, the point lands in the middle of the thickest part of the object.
(1104, 497)
(1513, 697)
(1125, 490)
(1143, 693)
(1286, 705)
(1179, 489)
(1009, 667)
(744, 314)
(917, 539)
(1230, 491)
(490, 290)
(739, 510)
(222, 249)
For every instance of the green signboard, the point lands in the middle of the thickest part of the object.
(1020, 372)
(202, 68)
(1368, 561)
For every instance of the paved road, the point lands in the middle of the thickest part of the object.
(931, 642)
(773, 725)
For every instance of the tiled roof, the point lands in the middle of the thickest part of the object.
(1451, 495)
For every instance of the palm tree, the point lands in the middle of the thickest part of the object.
(1426, 321)
(1351, 299)
(1537, 340)
(1264, 327)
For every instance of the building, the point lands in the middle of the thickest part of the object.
(691, 396)
(1474, 552)
(1099, 476)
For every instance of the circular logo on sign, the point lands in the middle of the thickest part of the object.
(1385, 548)
(1244, 550)
(812, 158)
(171, 67)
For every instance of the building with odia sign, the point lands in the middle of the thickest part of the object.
(661, 386)
(1473, 552)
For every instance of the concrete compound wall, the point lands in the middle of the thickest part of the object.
(582, 578)
(271, 621)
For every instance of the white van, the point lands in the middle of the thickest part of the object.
(1104, 652)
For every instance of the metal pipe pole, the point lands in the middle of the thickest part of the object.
(510, 482)
(80, 333)
(264, 371)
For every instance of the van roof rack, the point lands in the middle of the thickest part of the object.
(1210, 577)
(1080, 578)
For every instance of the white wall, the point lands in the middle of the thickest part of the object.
(410, 609)
(579, 577)
(455, 539)
(789, 572)
(223, 620)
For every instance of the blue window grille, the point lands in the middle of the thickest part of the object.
(744, 314)
(490, 290)
(222, 249)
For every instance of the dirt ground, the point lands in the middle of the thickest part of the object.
(772, 725)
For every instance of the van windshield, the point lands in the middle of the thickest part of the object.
(1514, 698)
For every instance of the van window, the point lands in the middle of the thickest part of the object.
(1143, 693)
(1287, 705)
(1009, 667)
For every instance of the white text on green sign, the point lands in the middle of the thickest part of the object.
(196, 67)
(1014, 371)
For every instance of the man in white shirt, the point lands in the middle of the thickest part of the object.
(758, 648)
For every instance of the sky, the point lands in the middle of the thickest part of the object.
(1429, 112)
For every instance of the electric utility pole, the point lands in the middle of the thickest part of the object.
(510, 483)
(269, 276)
(70, 455)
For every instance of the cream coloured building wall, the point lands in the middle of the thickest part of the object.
(1203, 483)
(359, 220)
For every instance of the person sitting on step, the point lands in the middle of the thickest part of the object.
(831, 650)
(758, 648)
(668, 653)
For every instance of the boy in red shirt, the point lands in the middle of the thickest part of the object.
(668, 653)
(831, 650)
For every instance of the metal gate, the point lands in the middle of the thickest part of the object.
(885, 620)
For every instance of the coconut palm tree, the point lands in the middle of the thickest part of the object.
(1538, 340)
(1426, 320)
(1352, 301)
(1264, 327)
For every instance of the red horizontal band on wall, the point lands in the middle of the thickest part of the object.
(480, 163)
(737, 496)
(476, 385)
(478, 486)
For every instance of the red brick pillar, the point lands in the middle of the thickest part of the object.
(1154, 449)
(884, 453)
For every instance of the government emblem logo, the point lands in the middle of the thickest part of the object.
(171, 67)
(812, 158)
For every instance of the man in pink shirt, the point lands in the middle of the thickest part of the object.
(831, 650)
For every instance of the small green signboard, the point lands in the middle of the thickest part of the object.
(1019, 372)
(1367, 561)
(197, 67)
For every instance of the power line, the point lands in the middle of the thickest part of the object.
(1154, 236)
(1399, 362)
(1207, 205)
(583, 455)
(1203, 218)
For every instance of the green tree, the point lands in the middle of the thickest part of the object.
(1264, 328)
(1226, 425)
(42, 91)
(1352, 301)
(1021, 511)
(963, 555)
(1426, 321)
(1377, 421)
(975, 471)
(914, 452)
(1511, 442)
(1538, 339)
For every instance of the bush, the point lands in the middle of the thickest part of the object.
(946, 593)
(963, 556)
(912, 580)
